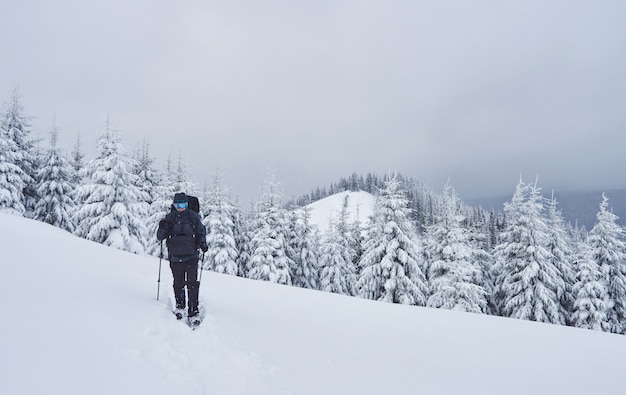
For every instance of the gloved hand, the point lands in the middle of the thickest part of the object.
(204, 247)
(164, 229)
(165, 224)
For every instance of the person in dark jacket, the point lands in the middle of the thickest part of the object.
(185, 233)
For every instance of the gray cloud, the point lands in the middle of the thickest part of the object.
(477, 92)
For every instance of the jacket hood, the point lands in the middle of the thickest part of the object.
(180, 197)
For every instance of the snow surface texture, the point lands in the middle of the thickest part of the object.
(82, 318)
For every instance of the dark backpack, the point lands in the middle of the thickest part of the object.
(182, 240)
(194, 203)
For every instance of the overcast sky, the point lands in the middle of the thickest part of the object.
(479, 92)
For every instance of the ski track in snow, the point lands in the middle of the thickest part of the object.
(173, 349)
(98, 326)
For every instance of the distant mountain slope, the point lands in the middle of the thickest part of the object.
(577, 207)
(360, 206)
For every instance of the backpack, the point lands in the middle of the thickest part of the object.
(182, 240)
(194, 203)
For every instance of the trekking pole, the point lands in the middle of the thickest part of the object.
(201, 270)
(159, 280)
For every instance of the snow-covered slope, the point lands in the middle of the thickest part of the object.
(81, 318)
(360, 206)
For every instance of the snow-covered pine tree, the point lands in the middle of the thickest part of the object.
(345, 233)
(148, 177)
(560, 247)
(390, 270)
(17, 160)
(220, 225)
(55, 187)
(182, 179)
(161, 205)
(337, 273)
(355, 229)
(77, 160)
(591, 299)
(148, 180)
(608, 251)
(477, 223)
(11, 177)
(305, 249)
(268, 240)
(527, 282)
(455, 278)
(109, 202)
(242, 240)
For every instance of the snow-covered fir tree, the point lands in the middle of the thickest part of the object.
(77, 160)
(110, 210)
(455, 278)
(181, 178)
(304, 250)
(219, 221)
(390, 270)
(161, 204)
(337, 273)
(268, 239)
(356, 240)
(346, 234)
(55, 187)
(528, 283)
(560, 247)
(242, 240)
(479, 234)
(591, 299)
(608, 251)
(147, 176)
(17, 169)
(11, 177)
(148, 181)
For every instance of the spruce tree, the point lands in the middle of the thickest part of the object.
(148, 180)
(12, 177)
(110, 208)
(55, 187)
(591, 299)
(77, 161)
(17, 159)
(608, 251)
(304, 249)
(219, 221)
(182, 179)
(528, 282)
(242, 236)
(337, 273)
(455, 278)
(158, 192)
(268, 240)
(390, 270)
(559, 245)
(345, 233)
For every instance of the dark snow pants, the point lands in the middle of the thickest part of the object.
(185, 274)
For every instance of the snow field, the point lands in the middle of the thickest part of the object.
(83, 318)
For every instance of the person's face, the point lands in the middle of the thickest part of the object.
(180, 206)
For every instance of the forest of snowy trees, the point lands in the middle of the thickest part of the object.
(418, 248)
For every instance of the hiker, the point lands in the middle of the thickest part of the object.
(185, 233)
